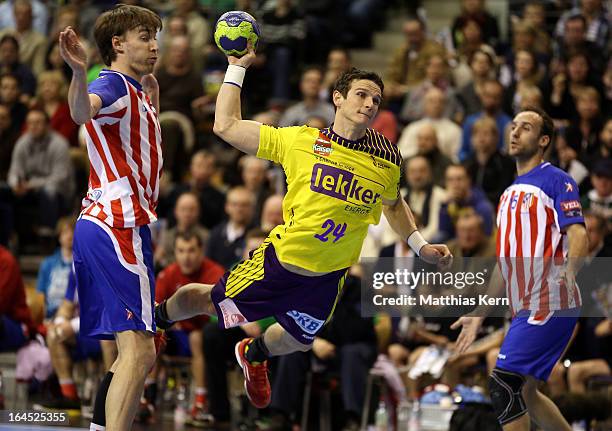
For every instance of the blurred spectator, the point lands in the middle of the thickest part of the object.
(227, 239)
(285, 30)
(41, 173)
(32, 44)
(471, 240)
(191, 266)
(469, 37)
(8, 137)
(311, 105)
(219, 347)
(599, 200)
(604, 151)
(436, 76)
(482, 69)
(427, 146)
(66, 346)
(39, 12)
(462, 198)
(347, 345)
(524, 38)
(272, 212)
(409, 62)
(567, 159)
(447, 131)
(475, 10)
(15, 318)
(55, 269)
(179, 83)
(583, 132)
(597, 232)
(489, 169)
(10, 64)
(10, 96)
(534, 15)
(596, 18)
(51, 96)
(385, 123)
(198, 28)
(524, 73)
(492, 101)
(338, 62)
(202, 169)
(574, 40)
(530, 96)
(254, 171)
(54, 61)
(186, 213)
(423, 196)
(564, 87)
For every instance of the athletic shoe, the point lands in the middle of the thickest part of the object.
(256, 381)
(160, 321)
(199, 417)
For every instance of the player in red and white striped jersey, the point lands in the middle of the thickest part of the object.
(541, 240)
(113, 257)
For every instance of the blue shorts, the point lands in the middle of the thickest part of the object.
(85, 348)
(115, 279)
(12, 334)
(177, 343)
(261, 287)
(532, 348)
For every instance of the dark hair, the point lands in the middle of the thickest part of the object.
(577, 17)
(547, 128)
(10, 38)
(13, 76)
(37, 108)
(118, 20)
(189, 235)
(343, 83)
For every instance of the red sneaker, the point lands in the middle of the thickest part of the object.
(256, 380)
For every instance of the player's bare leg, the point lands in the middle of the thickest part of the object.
(190, 300)
(541, 409)
(280, 342)
(136, 357)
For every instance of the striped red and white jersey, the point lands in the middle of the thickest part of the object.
(125, 157)
(532, 245)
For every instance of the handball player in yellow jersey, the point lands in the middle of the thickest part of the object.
(339, 180)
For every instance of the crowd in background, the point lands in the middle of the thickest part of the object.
(448, 101)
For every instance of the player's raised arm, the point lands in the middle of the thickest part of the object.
(229, 125)
(83, 106)
(400, 218)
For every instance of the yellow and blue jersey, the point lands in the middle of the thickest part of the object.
(335, 189)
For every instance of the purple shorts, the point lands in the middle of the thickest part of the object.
(260, 287)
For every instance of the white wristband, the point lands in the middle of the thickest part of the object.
(416, 242)
(234, 75)
(75, 322)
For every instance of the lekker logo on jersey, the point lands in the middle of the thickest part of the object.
(322, 146)
(305, 321)
(344, 185)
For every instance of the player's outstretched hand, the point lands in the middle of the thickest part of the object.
(469, 329)
(72, 51)
(437, 254)
(246, 60)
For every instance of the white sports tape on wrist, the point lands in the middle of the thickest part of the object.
(234, 75)
(416, 242)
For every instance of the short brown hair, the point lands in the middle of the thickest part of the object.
(343, 84)
(547, 128)
(118, 20)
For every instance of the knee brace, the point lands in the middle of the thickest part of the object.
(505, 388)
